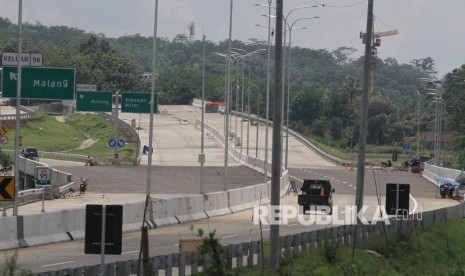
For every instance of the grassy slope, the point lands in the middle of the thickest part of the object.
(47, 134)
(437, 251)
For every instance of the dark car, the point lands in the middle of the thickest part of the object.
(415, 161)
(30, 153)
(316, 193)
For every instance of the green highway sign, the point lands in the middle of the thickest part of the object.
(43, 175)
(137, 102)
(39, 83)
(100, 101)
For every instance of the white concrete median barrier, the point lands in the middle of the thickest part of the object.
(8, 233)
(216, 204)
(190, 208)
(43, 228)
(164, 212)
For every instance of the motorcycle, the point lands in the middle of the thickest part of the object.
(83, 185)
(459, 194)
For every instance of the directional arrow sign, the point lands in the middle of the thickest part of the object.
(121, 143)
(39, 83)
(7, 188)
(112, 143)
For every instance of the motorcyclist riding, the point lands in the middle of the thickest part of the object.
(89, 161)
(83, 185)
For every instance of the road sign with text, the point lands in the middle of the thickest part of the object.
(86, 87)
(39, 83)
(27, 59)
(137, 102)
(7, 188)
(94, 101)
(43, 176)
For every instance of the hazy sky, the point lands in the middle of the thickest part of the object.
(427, 28)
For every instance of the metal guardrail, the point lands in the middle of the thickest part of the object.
(29, 114)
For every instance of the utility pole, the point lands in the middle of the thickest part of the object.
(277, 141)
(367, 89)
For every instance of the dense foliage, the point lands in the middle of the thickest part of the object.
(325, 86)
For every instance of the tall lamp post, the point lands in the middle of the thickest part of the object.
(418, 125)
(290, 27)
(285, 19)
(267, 111)
(202, 126)
(226, 106)
(18, 103)
(243, 58)
(437, 124)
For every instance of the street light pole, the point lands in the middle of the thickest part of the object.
(202, 126)
(227, 107)
(290, 28)
(418, 125)
(18, 104)
(437, 124)
(275, 251)
(268, 91)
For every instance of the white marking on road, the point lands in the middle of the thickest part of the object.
(56, 264)
(130, 252)
(294, 224)
(338, 180)
(415, 206)
(230, 236)
(344, 182)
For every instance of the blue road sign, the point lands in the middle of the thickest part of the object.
(121, 143)
(112, 143)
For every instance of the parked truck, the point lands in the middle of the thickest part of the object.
(316, 193)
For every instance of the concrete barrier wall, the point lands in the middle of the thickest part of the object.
(74, 223)
(241, 199)
(190, 208)
(216, 204)
(43, 228)
(49, 227)
(164, 212)
(133, 215)
(8, 233)
(431, 172)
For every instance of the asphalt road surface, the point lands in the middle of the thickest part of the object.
(177, 171)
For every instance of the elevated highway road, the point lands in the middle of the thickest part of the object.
(176, 172)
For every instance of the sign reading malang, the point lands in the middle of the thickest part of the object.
(94, 101)
(39, 83)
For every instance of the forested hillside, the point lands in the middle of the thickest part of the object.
(325, 86)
